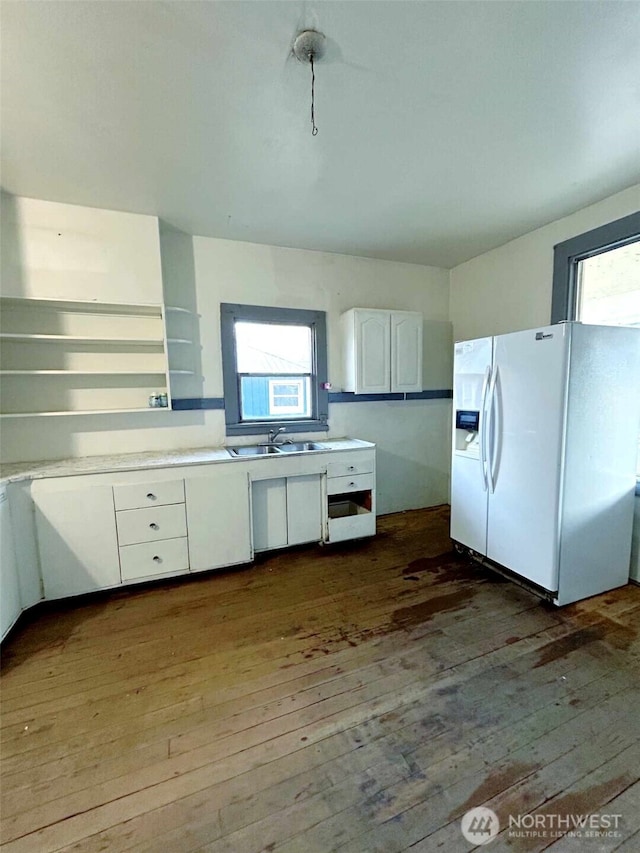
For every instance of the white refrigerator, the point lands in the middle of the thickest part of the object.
(544, 451)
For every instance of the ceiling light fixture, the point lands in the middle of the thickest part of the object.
(309, 47)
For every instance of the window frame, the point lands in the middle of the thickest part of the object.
(230, 313)
(568, 254)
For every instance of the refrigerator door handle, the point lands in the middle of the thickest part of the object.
(496, 422)
(489, 422)
(483, 430)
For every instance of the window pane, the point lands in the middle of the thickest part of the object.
(609, 287)
(264, 398)
(266, 348)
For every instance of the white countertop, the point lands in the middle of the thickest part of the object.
(14, 471)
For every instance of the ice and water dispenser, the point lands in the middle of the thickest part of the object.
(467, 431)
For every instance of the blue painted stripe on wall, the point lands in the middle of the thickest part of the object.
(201, 403)
(350, 397)
(197, 403)
(439, 394)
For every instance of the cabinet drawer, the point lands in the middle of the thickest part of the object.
(352, 526)
(150, 494)
(167, 557)
(149, 525)
(360, 464)
(342, 485)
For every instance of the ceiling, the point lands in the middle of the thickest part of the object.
(445, 128)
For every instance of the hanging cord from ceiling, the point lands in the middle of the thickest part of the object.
(314, 129)
(309, 46)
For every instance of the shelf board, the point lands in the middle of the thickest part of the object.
(84, 412)
(81, 339)
(82, 372)
(93, 307)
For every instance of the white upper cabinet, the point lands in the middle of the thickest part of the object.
(382, 351)
(406, 351)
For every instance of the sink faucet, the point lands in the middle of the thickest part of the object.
(273, 434)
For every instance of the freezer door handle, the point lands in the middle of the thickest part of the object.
(483, 430)
(498, 430)
(490, 439)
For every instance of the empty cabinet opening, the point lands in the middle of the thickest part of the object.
(355, 503)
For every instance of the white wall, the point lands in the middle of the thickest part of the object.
(199, 273)
(412, 437)
(509, 288)
(230, 271)
(63, 251)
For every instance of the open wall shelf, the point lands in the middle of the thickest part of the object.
(73, 357)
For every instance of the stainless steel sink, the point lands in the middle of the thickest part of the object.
(264, 449)
(253, 450)
(300, 446)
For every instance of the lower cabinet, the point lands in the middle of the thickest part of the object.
(218, 519)
(351, 496)
(152, 529)
(76, 530)
(100, 531)
(304, 509)
(10, 603)
(286, 511)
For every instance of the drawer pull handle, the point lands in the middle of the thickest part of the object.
(154, 526)
(352, 467)
(352, 484)
(151, 496)
(157, 559)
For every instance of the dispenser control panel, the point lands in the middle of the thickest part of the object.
(468, 420)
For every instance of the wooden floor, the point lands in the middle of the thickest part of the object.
(357, 698)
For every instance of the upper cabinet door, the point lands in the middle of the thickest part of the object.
(406, 351)
(373, 366)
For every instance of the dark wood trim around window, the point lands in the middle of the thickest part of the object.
(568, 254)
(229, 313)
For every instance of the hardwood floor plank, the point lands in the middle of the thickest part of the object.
(353, 697)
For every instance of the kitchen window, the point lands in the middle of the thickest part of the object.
(274, 368)
(596, 275)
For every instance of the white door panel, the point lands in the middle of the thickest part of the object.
(218, 518)
(373, 342)
(77, 539)
(526, 449)
(304, 509)
(406, 351)
(269, 504)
